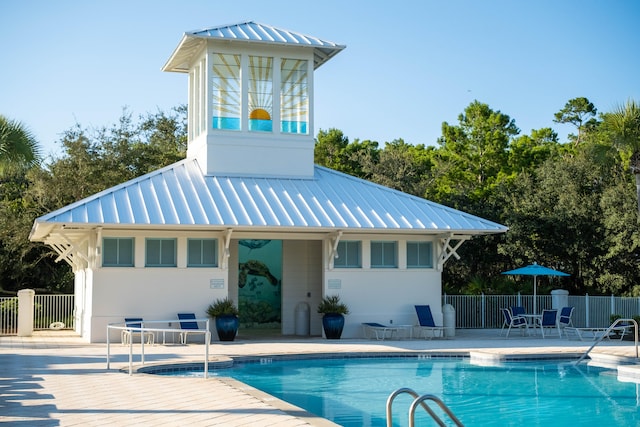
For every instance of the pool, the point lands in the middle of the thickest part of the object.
(353, 391)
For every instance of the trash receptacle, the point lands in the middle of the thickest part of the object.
(302, 319)
(449, 320)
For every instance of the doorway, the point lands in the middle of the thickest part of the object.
(260, 286)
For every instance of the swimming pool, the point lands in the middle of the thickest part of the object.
(353, 391)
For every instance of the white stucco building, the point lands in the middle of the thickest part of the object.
(247, 214)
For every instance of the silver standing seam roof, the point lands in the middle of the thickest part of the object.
(181, 195)
(247, 32)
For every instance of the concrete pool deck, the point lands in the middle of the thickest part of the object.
(53, 378)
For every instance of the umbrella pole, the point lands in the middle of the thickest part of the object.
(535, 286)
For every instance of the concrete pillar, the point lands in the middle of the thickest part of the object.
(25, 312)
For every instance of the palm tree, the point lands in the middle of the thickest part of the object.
(18, 146)
(624, 123)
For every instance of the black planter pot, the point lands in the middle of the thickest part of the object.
(227, 327)
(333, 324)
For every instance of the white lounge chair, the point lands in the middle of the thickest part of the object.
(378, 329)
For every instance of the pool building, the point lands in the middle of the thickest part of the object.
(248, 215)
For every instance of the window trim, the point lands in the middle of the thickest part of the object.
(202, 264)
(119, 263)
(160, 239)
(384, 243)
(418, 265)
(343, 244)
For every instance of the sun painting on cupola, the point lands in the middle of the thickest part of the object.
(294, 96)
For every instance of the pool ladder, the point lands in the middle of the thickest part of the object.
(420, 400)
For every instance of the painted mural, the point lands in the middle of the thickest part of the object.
(259, 283)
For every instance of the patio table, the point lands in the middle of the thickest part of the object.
(533, 320)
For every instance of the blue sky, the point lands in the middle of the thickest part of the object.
(408, 65)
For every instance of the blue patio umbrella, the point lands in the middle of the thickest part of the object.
(535, 270)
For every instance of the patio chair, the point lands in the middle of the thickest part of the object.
(511, 321)
(426, 326)
(187, 324)
(549, 320)
(127, 334)
(517, 310)
(564, 320)
(378, 329)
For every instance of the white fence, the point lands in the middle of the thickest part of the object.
(49, 310)
(483, 311)
(472, 311)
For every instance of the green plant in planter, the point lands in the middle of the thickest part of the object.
(614, 317)
(333, 312)
(332, 305)
(225, 314)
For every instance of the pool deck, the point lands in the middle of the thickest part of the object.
(53, 378)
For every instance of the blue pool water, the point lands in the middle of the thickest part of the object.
(353, 391)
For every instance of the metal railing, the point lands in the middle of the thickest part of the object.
(611, 328)
(8, 315)
(142, 330)
(55, 311)
(483, 311)
(420, 400)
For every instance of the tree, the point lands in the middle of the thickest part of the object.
(473, 154)
(91, 160)
(330, 147)
(18, 146)
(624, 126)
(576, 111)
(401, 166)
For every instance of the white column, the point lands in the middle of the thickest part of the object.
(25, 312)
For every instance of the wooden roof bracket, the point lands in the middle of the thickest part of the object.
(446, 250)
(335, 239)
(226, 253)
(70, 252)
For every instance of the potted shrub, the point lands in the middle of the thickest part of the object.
(225, 314)
(333, 312)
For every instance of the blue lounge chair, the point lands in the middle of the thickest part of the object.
(511, 321)
(128, 334)
(426, 326)
(187, 323)
(379, 329)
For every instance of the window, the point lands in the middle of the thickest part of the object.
(384, 254)
(349, 255)
(294, 96)
(161, 253)
(260, 93)
(202, 253)
(117, 251)
(225, 84)
(419, 255)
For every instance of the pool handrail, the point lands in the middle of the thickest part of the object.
(420, 400)
(613, 326)
(142, 329)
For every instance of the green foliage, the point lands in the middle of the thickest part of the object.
(89, 162)
(18, 147)
(331, 305)
(222, 307)
(255, 313)
(580, 112)
(569, 205)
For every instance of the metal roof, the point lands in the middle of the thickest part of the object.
(180, 195)
(247, 32)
